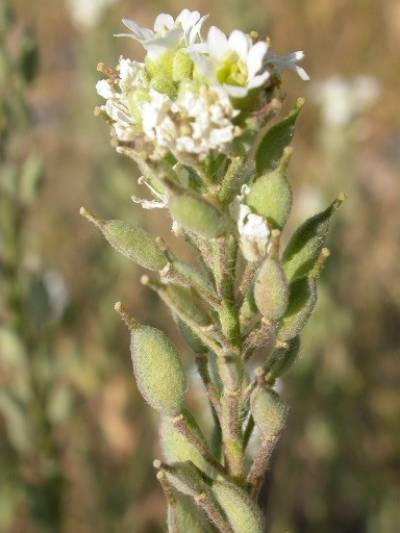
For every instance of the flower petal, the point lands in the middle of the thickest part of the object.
(240, 43)
(258, 81)
(139, 33)
(255, 58)
(188, 19)
(217, 43)
(236, 91)
(163, 23)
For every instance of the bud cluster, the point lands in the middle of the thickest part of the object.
(194, 116)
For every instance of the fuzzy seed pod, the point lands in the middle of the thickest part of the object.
(157, 367)
(283, 358)
(305, 246)
(191, 338)
(271, 195)
(131, 241)
(271, 290)
(184, 516)
(270, 150)
(302, 300)
(185, 478)
(194, 277)
(243, 514)
(183, 299)
(197, 216)
(175, 446)
(269, 411)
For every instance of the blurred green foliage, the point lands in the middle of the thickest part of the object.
(75, 438)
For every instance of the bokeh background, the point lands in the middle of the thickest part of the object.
(76, 440)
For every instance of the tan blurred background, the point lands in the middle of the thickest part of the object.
(338, 468)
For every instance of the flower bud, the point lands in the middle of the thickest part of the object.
(270, 149)
(271, 290)
(131, 241)
(269, 411)
(302, 300)
(271, 195)
(305, 246)
(197, 216)
(176, 447)
(241, 511)
(163, 85)
(157, 367)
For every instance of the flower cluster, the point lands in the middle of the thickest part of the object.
(191, 98)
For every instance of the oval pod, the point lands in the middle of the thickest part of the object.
(282, 359)
(131, 241)
(241, 511)
(302, 300)
(271, 195)
(184, 516)
(304, 248)
(269, 411)
(157, 366)
(271, 290)
(197, 216)
(185, 478)
(175, 446)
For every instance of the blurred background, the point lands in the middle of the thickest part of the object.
(76, 440)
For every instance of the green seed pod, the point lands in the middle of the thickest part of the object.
(184, 516)
(271, 290)
(131, 241)
(182, 65)
(270, 150)
(271, 195)
(306, 244)
(248, 310)
(269, 411)
(157, 367)
(191, 338)
(302, 300)
(183, 299)
(196, 279)
(175, 446)
(243, 514)
(283, 358)
(197, 216)
(185, 478)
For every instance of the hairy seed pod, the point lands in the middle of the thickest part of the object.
(185, 478)
(177, 448)
(271, 290)
(283, 358)
(157, 367)
(269, 411)
(196, 279)
(305, 246)
(243, 514)
(270, 149)
(131, 241)
(184, 516)
(183, 299)
(197, 216)
(191, 338)
(271, 195)
(302, 300)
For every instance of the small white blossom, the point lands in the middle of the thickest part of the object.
(234, 61)
(167, 33)
(288, 62)
(254, 232)
(342, 99)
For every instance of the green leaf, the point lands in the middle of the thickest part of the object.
(270, 149)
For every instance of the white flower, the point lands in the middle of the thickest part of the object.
(235, 62)
(342, 99)
(288, 62)
(254, 232)
(87, 13)
(167, 33)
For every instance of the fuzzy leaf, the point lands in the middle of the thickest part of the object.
(270, 149)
